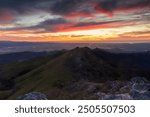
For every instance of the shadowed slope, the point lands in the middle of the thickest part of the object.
(56, 75)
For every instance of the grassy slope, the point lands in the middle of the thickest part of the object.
(16, 71)
(42, 78)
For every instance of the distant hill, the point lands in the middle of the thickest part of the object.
(137, 59)
(55, 74)
(122, 47)
(20, 56)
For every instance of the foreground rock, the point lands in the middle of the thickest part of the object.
(138, 88)
(32, 96)
(117, 97)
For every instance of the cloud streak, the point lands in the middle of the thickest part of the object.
(54, 16)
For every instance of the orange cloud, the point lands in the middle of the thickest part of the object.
(90, 26)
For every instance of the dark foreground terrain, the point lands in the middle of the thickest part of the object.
(80, 73)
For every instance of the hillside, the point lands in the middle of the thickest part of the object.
(68, 75)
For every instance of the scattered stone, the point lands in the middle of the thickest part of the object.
(140, 95)
(125, 96)
(139, 80)
(141, 87)
(33, 96)
(125, 89)
(137, 89)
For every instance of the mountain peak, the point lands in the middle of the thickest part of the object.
(80, 50)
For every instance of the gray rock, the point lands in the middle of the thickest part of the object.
(91, 89)
(125, 89)
(138, 89)
(33, 96)
(140, 95)
(139, 80)
(125, 96)
(141, 87)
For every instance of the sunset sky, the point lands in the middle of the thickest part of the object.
(74, 20)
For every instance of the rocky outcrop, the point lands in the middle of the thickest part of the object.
(33, 96)
(125, 96)
(137, 89)
(140, 89)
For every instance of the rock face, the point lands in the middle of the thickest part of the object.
(136, 89)
(139, 80)
(140, 88)
(117, 97)
(32, 96)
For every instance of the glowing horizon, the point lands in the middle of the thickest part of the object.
(75, 21)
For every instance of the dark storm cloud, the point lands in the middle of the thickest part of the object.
(110, 5)
(18, 4)
(107, 4)
(54, 6)
(64, 7)
(54, 21)
(47, 25)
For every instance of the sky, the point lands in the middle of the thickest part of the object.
(74, 20)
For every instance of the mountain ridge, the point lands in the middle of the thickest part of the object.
(55, 74)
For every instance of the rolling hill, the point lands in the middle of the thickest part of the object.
(62, 75)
